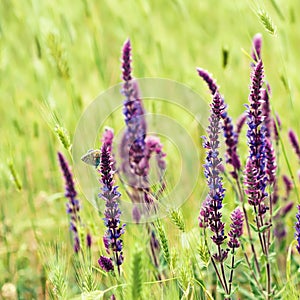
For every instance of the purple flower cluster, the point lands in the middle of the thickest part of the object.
(266, 110)
(255, 174)
(112, 238)
(240, 123)
(231, 140)
(256, 48)
(153, 145)
(212, 85)
(211, 211)
(288, 183)
(136, 147)
(297, 227)
(73, 204)
(236, 231)
(231, 137)
(105, 263)
(294, 142)
(271, 165)
(133, 144)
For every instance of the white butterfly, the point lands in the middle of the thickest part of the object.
(92, 157)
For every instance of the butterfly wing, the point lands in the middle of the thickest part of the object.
(92, 157)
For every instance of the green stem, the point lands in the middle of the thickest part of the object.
(231, 271)
(241, 196)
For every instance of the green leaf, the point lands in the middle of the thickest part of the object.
(254, 227)
(235, 265)
(288, 260)
(264, 228)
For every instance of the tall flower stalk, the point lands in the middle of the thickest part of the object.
(210, 213)
(294, 143)
(256, 175)
(136, 147)
(231, 137)
(73, 206)
(297, 227)
(136, 150)
(236, 231)
(134, 137)
(231, 140)
(112, 237)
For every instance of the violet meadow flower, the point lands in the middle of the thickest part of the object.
(153, 146)
(286, 209)
(255, 173)
(256, 48)
(239, 126)
(231, 143)
(210, 213)
(133, 146)
(136, 147)
(107, 137)
(105, 263)
(236, 231)
(112, 238)
(294, 142)
(89, 240)
(288, 184)
(230, 135)
(214, 180)
(212, 85)
(73, 207)
(297, 227)
(271, 165)
(204, 213)
(240, 123)
(267, 110)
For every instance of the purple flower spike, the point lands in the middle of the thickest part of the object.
(133, 142)
(153, 145)
(73, 204)
(89, 240)
(240, 123)
(105, 263)
(297, 227)
(255, 174)
(70, 189)
(208, 79)
(256, 48)
(294, 142)
(112, 238)
(231, 143)
(288, 186)
(108, 137)
(210, 213)
(126, 61)
(267, 111)
(231, 137)
(204, 213)
(239, 126)
(236, 231)
(214, 180)
(271, 166)
(285, 210)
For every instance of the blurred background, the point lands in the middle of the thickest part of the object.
(56, 57)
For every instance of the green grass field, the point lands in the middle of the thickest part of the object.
(56, 57)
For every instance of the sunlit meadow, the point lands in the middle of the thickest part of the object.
(56, 58)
